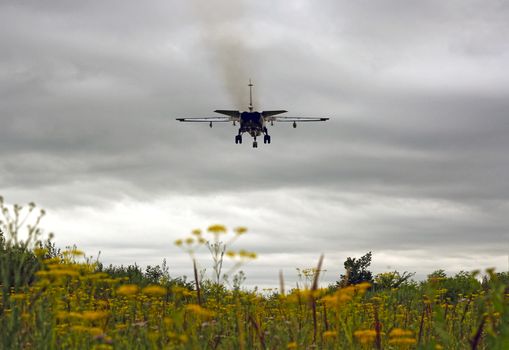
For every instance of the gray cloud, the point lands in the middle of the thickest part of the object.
(413, 158)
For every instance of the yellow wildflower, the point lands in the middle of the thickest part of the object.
(77, 252)
(69, 315)
(52, 261)
(217, 229)
(398, 332)
(62, 273)
(18, 297)
(198, 310)
(365, 336)
(103, 346)
(168, 321)
(95, 331)
(196, 232)
(180, 338)
(42, 274)
(363, 286)
(79, 328)
(230, 254)
(243, 253)
(94, 315)
(40, 252)
(342, 296)
(292, 345)
(329, 334)
(240, 230)
(120, 326)
(403, 341)
(189, 240)
(183, 338)
(178, 242)
(128, 289)
(154, 290)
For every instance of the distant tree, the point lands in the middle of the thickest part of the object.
(437, 276)
(133, 274)
(157, 274)
(503, 277)
(388, 280)
(463, 283)
(356, 271)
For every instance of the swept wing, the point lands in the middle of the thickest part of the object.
(206, 119)
(231, 116)
(271, 116)
(296, 119)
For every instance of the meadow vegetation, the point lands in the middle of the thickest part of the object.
(58, 299)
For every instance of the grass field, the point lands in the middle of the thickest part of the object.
(55, 299)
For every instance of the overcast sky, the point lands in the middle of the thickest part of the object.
(412, 165)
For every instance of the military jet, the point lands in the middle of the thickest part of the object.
(252, 122)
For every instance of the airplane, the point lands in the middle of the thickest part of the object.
(252, 122)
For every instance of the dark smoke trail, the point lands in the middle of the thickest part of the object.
(224, 33)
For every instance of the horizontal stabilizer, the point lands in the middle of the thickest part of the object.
(228, 112)
(271, 113)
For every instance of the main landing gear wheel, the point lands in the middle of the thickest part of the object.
(255, 144)
(266, 139)
(238, 139)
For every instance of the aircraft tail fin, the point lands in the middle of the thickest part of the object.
(250, 96)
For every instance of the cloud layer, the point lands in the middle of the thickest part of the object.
(412, 164)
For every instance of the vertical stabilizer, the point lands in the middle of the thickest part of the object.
(250, 96)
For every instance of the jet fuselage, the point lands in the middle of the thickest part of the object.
(252, 123)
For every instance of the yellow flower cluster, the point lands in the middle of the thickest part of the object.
(241, 254)
(82, 308)
(217, 229)
(401, 337)
(330, 334)
(346, 294)
(199, 311)
(128, 289)
(154, 290)
(365, 336)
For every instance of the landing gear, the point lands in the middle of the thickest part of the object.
(255, 144)
(266, 137)
(294, 125)
(238, 139)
